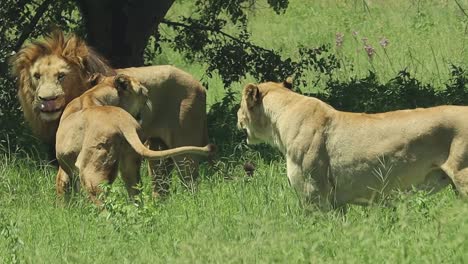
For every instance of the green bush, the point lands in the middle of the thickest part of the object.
(401, 92)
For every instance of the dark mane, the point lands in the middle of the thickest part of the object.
(95, 63)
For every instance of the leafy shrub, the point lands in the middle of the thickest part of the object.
(402, 92)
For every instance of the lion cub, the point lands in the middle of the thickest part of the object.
(95, 139)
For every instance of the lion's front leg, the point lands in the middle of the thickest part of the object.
(306, 188)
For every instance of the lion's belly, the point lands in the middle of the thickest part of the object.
(372, 159)
(365, 175)
(365, 180)
(177, 123)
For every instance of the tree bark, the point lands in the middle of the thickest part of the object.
(120, 29)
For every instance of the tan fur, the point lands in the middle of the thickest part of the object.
(95, 137)
(335, 158)
(178, 117)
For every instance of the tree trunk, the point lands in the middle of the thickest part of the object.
(120, 29)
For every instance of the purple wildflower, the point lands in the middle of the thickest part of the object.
(384, 42)
(369, 50)
(339, 38)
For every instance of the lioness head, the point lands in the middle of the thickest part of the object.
(251, 116)
(131, 95)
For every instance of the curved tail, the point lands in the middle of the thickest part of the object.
(131, 135)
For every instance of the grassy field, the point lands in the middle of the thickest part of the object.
(233, 218)
(229, 220)
(424, 37)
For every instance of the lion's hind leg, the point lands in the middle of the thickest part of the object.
(460, 180)
(93, 176)
(129, 168)
(435, 181)
(97, 165)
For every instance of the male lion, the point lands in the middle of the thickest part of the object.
(53, 71)
(334, 158)
(95, 138)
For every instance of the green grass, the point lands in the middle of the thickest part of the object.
(237, 219)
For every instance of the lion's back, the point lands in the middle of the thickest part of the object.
(178, 100)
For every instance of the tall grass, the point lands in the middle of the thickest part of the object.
(236, 220)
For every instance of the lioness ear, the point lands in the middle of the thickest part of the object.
(122, 83)
(75, 49)
(288, 83)
(95, 78)
(251, 95)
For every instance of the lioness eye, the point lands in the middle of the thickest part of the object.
(60, 76)
(37, 76)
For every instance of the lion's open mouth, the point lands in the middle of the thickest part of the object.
(50, 106)
(51, 110)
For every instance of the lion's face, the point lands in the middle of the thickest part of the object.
(251, 117)
(51, 76)
(51, 72)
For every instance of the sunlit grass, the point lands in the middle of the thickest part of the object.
(235, 220)
(424, 37)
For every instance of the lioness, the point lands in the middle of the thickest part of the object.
(53, 71)
(334, 158)
(94, 138)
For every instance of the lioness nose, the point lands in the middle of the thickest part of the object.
(48, 98)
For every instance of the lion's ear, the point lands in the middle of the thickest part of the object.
(251, 95)
(75, 49)
(288, 83)
(122, 82)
